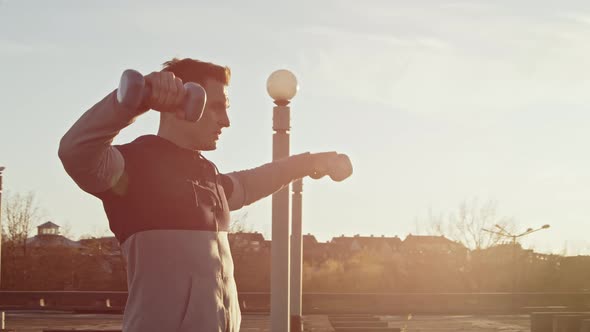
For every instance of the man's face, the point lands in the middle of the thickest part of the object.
(203, 134)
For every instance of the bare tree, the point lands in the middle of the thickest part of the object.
(21, 214)
(97, 233)
(66, 230)
(239, 225)
(466, 224)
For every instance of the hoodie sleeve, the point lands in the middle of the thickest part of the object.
(249, 186)
(85, 150)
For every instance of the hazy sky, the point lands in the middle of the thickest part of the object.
(436, 102)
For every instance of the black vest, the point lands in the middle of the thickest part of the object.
(165, 186)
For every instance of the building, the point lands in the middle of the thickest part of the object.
(248, 242)
(345, 246)
(103, 245)
(48, 236)
(314, 251)
(429, 244)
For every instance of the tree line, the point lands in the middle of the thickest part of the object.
(487, 264)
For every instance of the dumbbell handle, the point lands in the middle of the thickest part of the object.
(133, 93)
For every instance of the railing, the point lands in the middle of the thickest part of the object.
(321, 303)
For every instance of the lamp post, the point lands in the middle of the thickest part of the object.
(281, 87)
(1, 170)
(296, 255)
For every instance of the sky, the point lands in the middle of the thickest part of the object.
(435, 102)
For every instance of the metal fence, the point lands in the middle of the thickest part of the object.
(323, 303)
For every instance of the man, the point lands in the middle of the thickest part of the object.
(167, 205)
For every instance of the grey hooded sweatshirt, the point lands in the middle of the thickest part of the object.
(169, 209)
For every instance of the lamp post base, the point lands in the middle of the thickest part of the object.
(296, 323)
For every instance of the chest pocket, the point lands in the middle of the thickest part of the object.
(210, 197)
(204, 194)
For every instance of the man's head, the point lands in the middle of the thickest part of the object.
(203, 134)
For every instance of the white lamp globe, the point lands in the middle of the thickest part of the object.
(282, 85)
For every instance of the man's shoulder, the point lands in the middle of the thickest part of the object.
(144, 142)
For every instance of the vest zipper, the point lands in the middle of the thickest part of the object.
(217, 199)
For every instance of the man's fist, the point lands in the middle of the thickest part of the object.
(168, 93)
(337, 166)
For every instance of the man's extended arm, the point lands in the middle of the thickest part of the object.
(253, 184)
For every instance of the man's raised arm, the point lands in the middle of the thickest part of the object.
(85, 150)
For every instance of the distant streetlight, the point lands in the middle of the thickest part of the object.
(281, 87)
(504, 233)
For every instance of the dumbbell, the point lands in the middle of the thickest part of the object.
(133, 92)
(340, 170)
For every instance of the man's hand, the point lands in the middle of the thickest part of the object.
(337, 166)
(168, 93)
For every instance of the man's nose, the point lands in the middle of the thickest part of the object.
(224, 121)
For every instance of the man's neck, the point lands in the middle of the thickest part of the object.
(179, 141)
